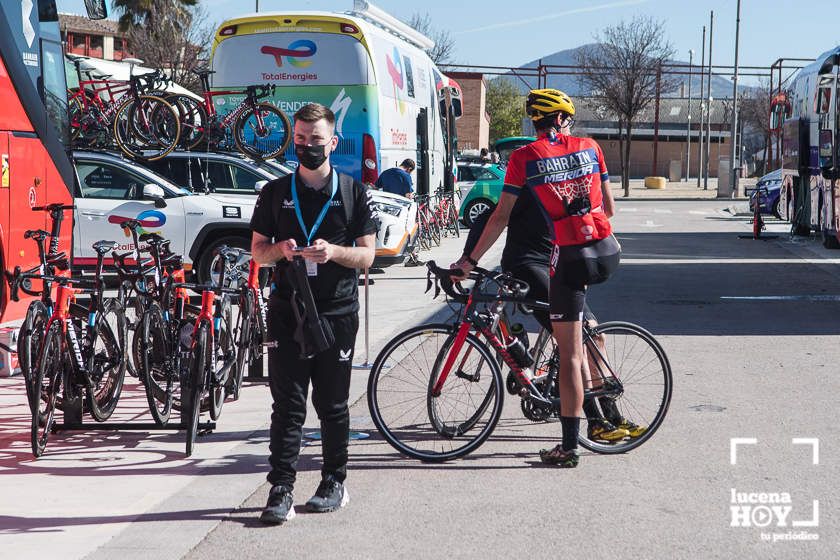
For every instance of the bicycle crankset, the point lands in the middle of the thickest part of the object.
(534, 410)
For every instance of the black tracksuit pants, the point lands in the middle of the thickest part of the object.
(289, 378)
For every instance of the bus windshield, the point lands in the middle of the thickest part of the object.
(291, 59)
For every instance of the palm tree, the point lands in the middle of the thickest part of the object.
(140, 12)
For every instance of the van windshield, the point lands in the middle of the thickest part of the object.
(291, 59)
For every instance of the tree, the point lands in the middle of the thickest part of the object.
(506, 107)
(142, 12)
(755, 112)
(444, 47)
(177, 42)
(624, 68)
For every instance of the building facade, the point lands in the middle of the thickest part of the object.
(94, 38)
(473, 127)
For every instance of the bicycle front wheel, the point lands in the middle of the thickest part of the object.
(147, 128)
(262, 133)
(156, 363)
(46, 386)
(631, 380)
(194, 384)
(424, 426)
(246, 331)
(108, 371)
(29, 345)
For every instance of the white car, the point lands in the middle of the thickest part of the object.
(112, 188)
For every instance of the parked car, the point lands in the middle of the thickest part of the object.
(231, 173)
(480, 186)
(112, 188)
(770, 200)
(219, 172)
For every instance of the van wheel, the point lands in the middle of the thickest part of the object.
(208, 264)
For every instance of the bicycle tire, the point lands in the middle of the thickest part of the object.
(149, 146)
(406, 438)
(30, 339)
(194, 386)
(244, 339)
(47, 385)
(155, 370)
(193, 118)
(452, 222)
(628, 368)
(108, 371)
(224, 362)
(274, 143)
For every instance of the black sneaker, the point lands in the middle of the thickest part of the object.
(280, 506)
(330, 496)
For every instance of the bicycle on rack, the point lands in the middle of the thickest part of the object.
(428, 228)
(80, 353)
(446, 213)
(260, 130)
(143, 126)
(50, 262)
(435, 392)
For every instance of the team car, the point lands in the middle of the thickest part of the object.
(111, 189)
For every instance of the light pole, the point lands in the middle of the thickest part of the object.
(702, 108)
(688, 128)
(257, 7)
(709, 108)
(733, 152)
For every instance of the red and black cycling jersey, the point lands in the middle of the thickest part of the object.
(565, 175)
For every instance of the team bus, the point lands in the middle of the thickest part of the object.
(808, 113)
(34, 132)
(391, 101)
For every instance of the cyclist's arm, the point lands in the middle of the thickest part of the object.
(475, 232)
(608, 200)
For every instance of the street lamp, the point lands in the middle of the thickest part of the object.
(257, 7)
(688, 130)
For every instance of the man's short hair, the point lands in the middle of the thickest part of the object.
(408, 164)
(314, 112)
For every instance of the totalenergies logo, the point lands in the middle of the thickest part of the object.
(302, 48)
(147, 219)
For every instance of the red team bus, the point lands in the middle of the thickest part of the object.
(34, 133)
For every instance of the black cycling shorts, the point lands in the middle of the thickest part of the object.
(538, 279)
(572, 269)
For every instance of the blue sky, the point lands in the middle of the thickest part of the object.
(490, 32)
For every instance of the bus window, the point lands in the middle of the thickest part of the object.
(54, 88)
(823, 101)
(409, 77)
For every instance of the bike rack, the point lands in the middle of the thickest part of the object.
(73, 422)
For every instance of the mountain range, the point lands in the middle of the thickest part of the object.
(574, 85)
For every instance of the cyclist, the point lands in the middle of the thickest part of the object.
(569, 181)
(526, 257)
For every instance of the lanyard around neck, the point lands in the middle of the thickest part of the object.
(311, 233)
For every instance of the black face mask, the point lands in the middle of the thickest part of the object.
(311, 157)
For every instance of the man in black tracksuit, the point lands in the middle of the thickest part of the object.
(306, 215)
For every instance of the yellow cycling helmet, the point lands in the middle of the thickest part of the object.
(544, 102)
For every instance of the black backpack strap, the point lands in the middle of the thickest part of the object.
(348, 198)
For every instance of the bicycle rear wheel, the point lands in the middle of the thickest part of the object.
(146, 128)
(108, 371)
(46, 387)
(246, 332)
(193, 118)
(224, 364)
(631, 379)
(262, 133)
(155, 365)
(29, 345)
(434, 428)
(452, 223)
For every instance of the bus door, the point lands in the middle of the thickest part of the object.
(423, 167)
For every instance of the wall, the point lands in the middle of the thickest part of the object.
(641, 156)
(474, 126)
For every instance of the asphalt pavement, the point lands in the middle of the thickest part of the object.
(751, 331)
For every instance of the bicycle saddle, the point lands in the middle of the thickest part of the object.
(36, 234)
(103, 247)
(203, 71)
(153, 238)
(101, 76)
(75, 56)
(130, 224)
(132, 61)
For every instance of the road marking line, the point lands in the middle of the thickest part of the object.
(628, 209)
(784, 298)
(700, 212)
(649, 223)
(662, 211)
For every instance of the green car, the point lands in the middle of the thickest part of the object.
(480, 186)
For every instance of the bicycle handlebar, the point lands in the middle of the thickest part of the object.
(516, 289)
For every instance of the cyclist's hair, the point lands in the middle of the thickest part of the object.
(550, 121)
(314, 112)
(408, 164)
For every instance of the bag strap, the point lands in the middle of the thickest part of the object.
(348, 200)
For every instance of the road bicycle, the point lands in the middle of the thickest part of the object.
(251, 326)
(142, 125)
(50, 262)
(435, 392)
(81, 354)
(259, 129)
(428, 228)
(446, 213)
